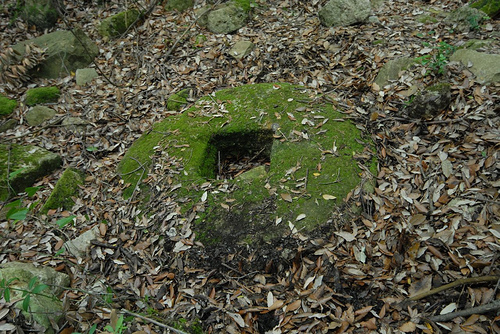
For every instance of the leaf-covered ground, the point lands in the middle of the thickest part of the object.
(432, 220)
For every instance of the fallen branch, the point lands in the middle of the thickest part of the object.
(462, 281)
(493, 306)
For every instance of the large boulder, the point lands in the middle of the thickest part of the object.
(486, 67)
(465, 19)
(252, 161)
(45, 307)
(22, 165)
(344, 12)
(64, 53)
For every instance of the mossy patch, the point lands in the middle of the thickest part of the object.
(118, 24)
(30, 163)
(178, 100)
(42, 95)
(7, 105)
(64, 191)
(307, 147)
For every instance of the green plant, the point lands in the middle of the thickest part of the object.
(34, 288)
(118, 327)
(438, 58)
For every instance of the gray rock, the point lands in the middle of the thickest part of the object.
(344, 12)
(45, 308)
(486, 67)
(431, 101)
(390, 71)
(39, 114)
(241, 49)
(76, 124)
(64, 53)
(226, 19)
(465, 18)
(29, 162)
(85, 75)
(80, 245)
(7, 125)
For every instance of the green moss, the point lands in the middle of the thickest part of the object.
(179, 5)
(32, 162)
(7, 105)
(490, 7)
(310, 147)
(246, 5)
(65, 189)
(177, 101)
(118, 24)
(42, 95)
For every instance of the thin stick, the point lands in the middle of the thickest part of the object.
(153, 322)
(470, 280)
(493, 306)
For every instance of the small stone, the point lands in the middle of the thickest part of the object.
(39, 114)
(241, 49)
(85, 75)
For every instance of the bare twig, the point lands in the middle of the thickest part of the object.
(154, 322)
(470, 280)
(493, 306)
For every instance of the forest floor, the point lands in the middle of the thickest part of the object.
(432, 220)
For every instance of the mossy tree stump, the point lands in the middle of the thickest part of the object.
(306, 151)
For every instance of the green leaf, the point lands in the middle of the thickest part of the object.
(6, 294)
(39, 288)
(92, 329)
(16, 172)
(32, 282)
(91, 148)
(17, 214)
(65, 221)
(14, 204)
(26, 303)
(32, 191)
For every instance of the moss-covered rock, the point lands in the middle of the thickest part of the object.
(118, 24)
(7, 105)
(309, 149)
(431, 101)
(42, 95)
(490, 7)
(22, 165)
(64, 191)
(78, 50)
(178, 100)
(179, 5)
